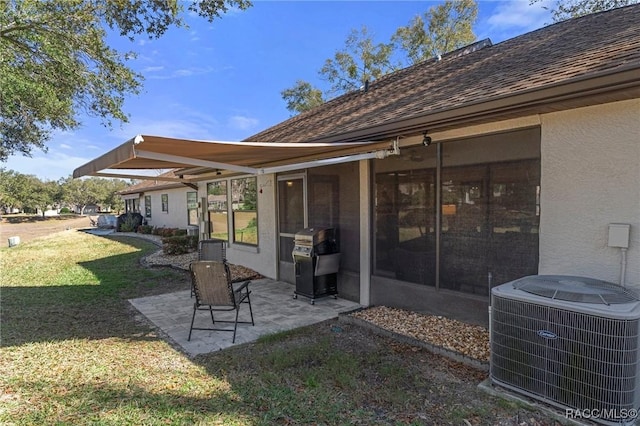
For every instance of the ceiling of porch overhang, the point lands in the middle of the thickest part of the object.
(145, 152)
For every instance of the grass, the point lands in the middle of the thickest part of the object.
(73, 352)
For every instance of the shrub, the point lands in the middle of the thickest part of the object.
(179, 244)
(164, 232)
(145, 229)
(65, 210)
(129, 222)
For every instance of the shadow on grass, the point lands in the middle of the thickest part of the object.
(58, 312)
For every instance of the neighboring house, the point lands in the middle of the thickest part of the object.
(513, 159)
(162, 203)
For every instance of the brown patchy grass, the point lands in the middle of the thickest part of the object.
(73, 351)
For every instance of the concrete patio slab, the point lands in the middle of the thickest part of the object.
(274, 310)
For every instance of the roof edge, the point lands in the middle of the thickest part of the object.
(582, 87)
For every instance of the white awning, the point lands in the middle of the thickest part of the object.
(160, 153)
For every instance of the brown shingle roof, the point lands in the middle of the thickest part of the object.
(576, 50)
(153, 185)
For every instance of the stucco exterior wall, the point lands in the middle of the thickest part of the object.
(176, 217)
(263, 258)
(590, 178)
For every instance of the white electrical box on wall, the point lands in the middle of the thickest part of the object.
(619, 235)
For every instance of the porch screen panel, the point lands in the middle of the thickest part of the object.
(334, 201)
(405, 219)
(490, 210)
(464, 239)
(514, 219)
(489, 205)
(290, 214)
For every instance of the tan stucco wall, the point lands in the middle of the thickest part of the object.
(590, 178)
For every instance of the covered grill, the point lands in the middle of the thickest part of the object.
(316, 258)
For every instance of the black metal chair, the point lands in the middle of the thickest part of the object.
(214, 291)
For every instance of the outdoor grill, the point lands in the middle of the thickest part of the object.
(317, 259)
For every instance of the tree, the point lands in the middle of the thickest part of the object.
(448, 27)
(55, 62)
(84, 192)
(444, 28)
(567, 9)
(302, 97)
(113, 200)
(25, 192)
(359, 62)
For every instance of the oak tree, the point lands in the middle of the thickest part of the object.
(302, 97)
(441, 29)
(55, 61)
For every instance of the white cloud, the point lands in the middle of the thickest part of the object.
(52, 165)
(191, 124)
(65, 146)
(153, 69)
(512, 18)
(183, 72)
(242, 123)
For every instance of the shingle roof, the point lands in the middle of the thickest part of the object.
(151, 185)
(575, 50)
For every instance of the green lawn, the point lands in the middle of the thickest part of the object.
(74, 352)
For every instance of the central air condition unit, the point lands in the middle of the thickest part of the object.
(571, 342)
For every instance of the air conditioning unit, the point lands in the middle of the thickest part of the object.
(572, 342)
(192, 230)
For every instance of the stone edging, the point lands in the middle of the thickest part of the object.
(346, 318)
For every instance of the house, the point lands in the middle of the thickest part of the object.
(162, 203)
(447, 177)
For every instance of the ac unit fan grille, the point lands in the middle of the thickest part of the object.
(579, 360)
(574, 289)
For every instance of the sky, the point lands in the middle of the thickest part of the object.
(222, 80)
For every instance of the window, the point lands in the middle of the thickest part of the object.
(192, 208)
(147, 206)
(132, 205)
(244, 204)
(217, 209)
(165, 202)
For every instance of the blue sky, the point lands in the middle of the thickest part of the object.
(222, 80)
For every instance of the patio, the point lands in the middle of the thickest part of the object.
(274, 310)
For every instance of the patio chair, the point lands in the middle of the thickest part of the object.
(214, 291)
(211, 249)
